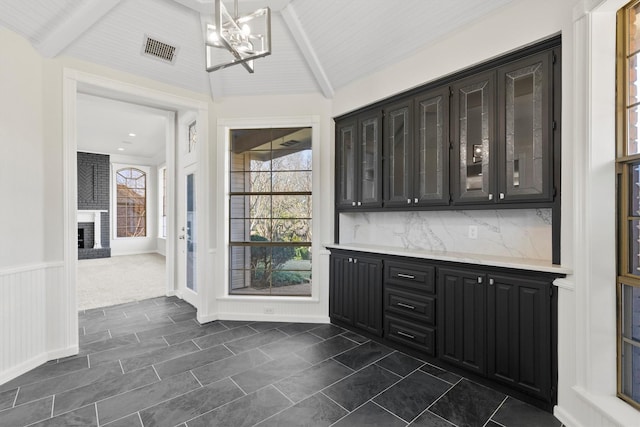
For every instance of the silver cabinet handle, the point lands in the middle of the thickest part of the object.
(350, 259)
(479, 279)
(401, 304)
(353, 203)
(404, 334)
(359, 203)
(501, 196)
(415, 200)
(355, 260)
(408, 200)
(406, 276)
(491, 196)
(491, 282)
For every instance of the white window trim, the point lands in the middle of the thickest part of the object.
(161, 190)
(115, 167)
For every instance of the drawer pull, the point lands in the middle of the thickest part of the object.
(401, 304)
(406, 276)
(404, 334)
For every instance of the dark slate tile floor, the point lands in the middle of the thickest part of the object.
(150, 363)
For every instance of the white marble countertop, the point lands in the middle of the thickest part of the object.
(467, 258)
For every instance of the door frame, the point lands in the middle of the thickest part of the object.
(74, 82)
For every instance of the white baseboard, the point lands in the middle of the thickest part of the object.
(565, 418)
(34, 362)
(256, 317)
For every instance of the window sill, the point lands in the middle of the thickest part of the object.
(611, 407)
(259, 298)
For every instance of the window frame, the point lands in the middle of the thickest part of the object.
(116, 167)
(235, 243)
(624, 162)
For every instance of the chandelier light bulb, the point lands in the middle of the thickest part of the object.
(246, 30)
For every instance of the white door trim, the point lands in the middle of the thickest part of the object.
(73, 82)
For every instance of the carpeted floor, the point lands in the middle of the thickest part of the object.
(109, 281)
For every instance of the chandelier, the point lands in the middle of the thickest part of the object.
(232, 40)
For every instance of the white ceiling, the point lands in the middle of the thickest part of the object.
(318, 46)
(104, 126)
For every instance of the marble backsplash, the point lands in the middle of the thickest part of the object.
(517, 233)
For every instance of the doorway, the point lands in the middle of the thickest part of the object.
(77, 83)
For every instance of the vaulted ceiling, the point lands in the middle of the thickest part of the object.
(318, 45)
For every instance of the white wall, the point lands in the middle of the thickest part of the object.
(22, 158)
(34, 304)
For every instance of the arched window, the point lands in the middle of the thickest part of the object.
(131, 196)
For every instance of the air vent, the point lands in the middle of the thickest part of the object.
(160, 50)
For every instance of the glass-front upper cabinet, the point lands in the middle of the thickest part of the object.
(346, 163)
(473, 127)
(370, 156)
(524, 129)
(398, 154)
(359, 161)
(431, 148)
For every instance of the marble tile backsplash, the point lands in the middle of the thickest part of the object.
(518, 233)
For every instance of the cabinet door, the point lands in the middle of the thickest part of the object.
(461, 318)
(473, 126)
(525, 161)
(518, 333)
(346, 164)
(370, 157)
(431, 149)
(368, 294)
(341, 288)
(398, 155)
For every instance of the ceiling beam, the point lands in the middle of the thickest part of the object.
(80, 20)
(293, 23)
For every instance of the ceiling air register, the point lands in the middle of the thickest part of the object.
(233, 40)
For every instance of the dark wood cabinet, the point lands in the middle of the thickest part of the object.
(525, 130)
(499, 326)
(461, 319)
(502, 122)
(519, 333)
(416, 151)
(356, 291)
(359, 161)
(410, 305)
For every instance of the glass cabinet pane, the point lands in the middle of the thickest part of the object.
(399, 155)
(370, 160)
(474, 117)
(347, 166)
(630, 337)
(524, 130)
(430, 149)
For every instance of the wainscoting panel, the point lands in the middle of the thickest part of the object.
(34, 322)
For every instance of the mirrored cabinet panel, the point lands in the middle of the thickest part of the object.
(370, 160)
(359, 161)
(524, 129)
(432, 148)
(346, 164)
(398, 155)
(473, 122)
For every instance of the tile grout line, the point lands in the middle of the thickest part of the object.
(121, 367)
(156, 372)
(140, 418)
(53, 404)
(194, 376)
(386, 410)
(95, 405)
(496, 410)
(196, 344)
(15, 398)
(241, 389)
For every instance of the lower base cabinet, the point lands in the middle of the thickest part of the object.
(497, 325)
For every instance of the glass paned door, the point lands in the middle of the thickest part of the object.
(190, 233)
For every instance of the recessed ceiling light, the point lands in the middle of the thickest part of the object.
(120, 149)
(132, 134)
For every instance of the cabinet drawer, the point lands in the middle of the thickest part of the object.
(410, 304)
(411, 276)
(410, 334)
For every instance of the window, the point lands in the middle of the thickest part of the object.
(162, 178)
(270, 205)
(131, 208)
(193, 138)
(628, 195)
